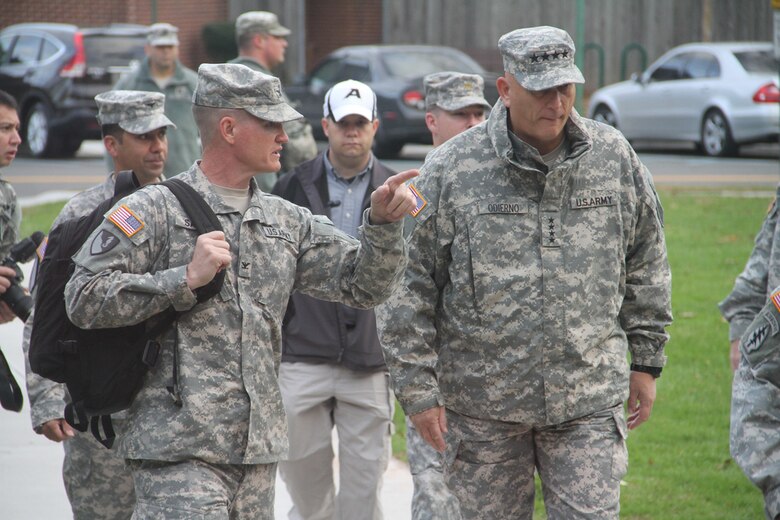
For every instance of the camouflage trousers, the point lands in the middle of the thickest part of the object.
(432, 499)
(197, 490)
(755, 429)
(97, 481)
(489, 465)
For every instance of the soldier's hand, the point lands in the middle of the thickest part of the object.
(431, 424)
(6, 314)
(57, 430)
(641, 396)
(6, 275)
(734, 355)
(391, 201)
(212, 254)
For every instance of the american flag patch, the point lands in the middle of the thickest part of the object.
(41, 250)
(776, 300)
(126, 220)
(420, 201)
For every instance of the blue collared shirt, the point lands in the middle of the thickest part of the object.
(346, 197)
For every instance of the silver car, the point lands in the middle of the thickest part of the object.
(717, 95)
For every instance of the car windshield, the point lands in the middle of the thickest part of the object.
(758, 61)
(410, 65)
(104, 50)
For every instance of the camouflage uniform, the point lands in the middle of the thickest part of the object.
(183, 143)
(432, 499)
(97, 482)
(229, 347)
(301, 147)
(755, 399)
(10, 218)
(525, 288)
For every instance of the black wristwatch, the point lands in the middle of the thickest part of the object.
(653, 371)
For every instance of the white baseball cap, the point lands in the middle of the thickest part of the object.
(349, 97)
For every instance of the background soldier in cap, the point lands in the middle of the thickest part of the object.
(537, 260)
(10, 212)
(262, 42)
(98, 484)
(161, 71)
(214, 451)
(333, 372)
(454, 102)
(754, 400)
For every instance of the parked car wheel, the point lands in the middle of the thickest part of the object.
(604, 115)
(716, 138)
(37, 135)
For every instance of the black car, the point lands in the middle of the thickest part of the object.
(395, 73)
(54, 71)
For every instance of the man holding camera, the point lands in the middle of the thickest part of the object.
(10, 212)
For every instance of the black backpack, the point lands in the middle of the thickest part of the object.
(103, 368)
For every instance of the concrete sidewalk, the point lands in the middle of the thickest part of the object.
(31, 466)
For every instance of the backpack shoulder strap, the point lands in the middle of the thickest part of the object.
(125, 183)
(204, 219)
(200, 213)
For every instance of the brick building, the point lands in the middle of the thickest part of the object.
(188, 16)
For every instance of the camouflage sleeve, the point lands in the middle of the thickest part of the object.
(647, 307)
(749, 293)
(407, 321)
(333, 266)
(47, 398)
(755, 407)
(10, 218)
(105, 290)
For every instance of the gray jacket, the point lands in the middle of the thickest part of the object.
(526, 288)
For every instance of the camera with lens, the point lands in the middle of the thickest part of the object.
(16, 297)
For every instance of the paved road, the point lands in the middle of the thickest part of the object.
(674, 165)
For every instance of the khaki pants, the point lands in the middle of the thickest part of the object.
(360, 406)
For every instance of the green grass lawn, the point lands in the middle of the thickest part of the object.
(680, 466)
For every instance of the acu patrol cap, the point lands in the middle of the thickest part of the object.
(162, 34)
(540, 57)
(231, 85)
(134, 111)
(260, 22)
(454, 90)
